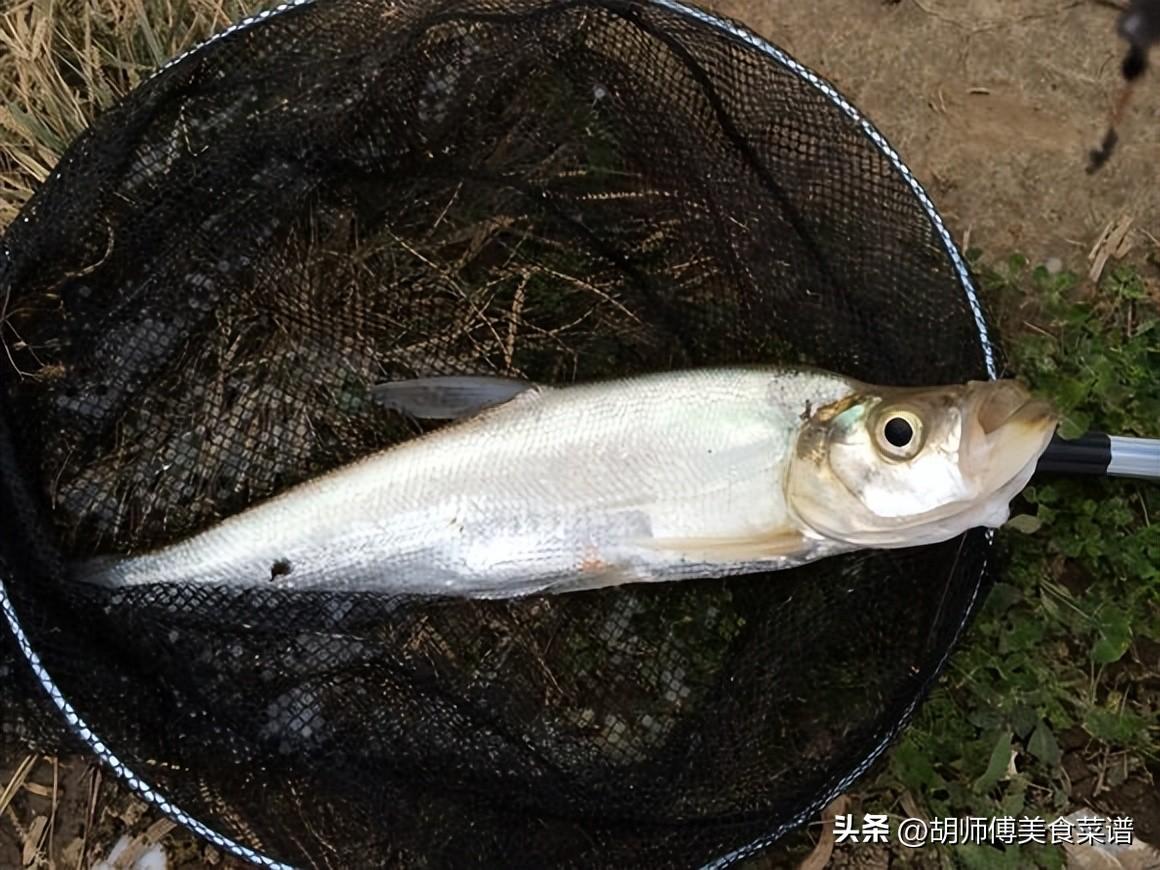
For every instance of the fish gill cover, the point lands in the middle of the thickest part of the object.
(199, 300)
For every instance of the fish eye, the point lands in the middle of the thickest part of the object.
(898, 431)
(899, 434)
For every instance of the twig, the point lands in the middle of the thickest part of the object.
(16, 781)
(579, 282)
(55, 805)
(94, 791)
(446, 208)
(514, 324)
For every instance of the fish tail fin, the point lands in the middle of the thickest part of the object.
(107, 571)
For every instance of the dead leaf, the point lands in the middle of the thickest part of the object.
(142, 843)
(820, 857)
(132, 813)
(1112, 243)
(37, 789)
(911, 806)
(33, 840)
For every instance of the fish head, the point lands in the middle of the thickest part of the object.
(898, 467)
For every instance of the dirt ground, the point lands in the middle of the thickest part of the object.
(993, 103)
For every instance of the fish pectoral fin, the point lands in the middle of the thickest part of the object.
(776, 542)
(598, 578)
(450, 397)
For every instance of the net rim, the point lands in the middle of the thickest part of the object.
(144, 791)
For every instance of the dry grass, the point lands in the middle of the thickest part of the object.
(62, 61)
(63, 814)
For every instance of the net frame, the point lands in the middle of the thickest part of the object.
(81, 730)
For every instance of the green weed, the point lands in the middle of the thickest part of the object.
(1058, 680)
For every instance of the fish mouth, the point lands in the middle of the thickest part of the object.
(1007, 429)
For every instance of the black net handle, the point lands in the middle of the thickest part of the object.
(1106, 455)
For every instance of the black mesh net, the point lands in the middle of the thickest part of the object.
(351, 191)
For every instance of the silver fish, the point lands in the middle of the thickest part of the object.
(703, 473)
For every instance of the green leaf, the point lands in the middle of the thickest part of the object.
(1002, 597)
(1046, 494)
(985, 718)
(1115, 638)
(1028, 524)
(912, 766)
(1044, 746)
(1117, 728)
(1015, 798)
(1026, 634)
(1107, 650)
(975, 856)
(1070, 392)
(997, 766)
(1023, 720)
(1074, 424)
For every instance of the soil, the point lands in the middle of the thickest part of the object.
(81, 815)
(994, 104)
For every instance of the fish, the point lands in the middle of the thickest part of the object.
(529, 488)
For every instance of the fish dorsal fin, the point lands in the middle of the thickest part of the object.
(450, 397)
(773, 543)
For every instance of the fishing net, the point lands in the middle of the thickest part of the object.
(198, 301)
